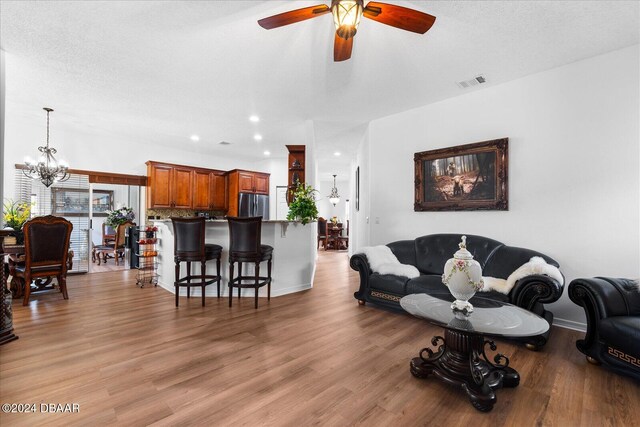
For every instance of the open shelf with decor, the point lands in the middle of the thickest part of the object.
(296, 162)
(147, 257)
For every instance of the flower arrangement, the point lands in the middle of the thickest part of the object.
(303, 207)
(16, 214)
(119, 216)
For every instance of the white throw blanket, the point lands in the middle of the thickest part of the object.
(383, 261)
(536, 265)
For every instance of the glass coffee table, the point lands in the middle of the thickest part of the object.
(460, 358)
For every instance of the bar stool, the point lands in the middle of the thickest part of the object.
(189, 247)
(245, 246)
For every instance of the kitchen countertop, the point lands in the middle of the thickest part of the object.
(225, 221)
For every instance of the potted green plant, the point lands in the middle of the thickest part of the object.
(15, 215)
(303, 207)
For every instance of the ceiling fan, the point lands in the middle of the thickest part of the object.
(346, 17)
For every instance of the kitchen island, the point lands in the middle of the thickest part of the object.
(294, 257)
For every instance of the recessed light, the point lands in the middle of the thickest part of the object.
(257, 137)
(254, 119)
(337, 153)
(195, 138)
(267, 153)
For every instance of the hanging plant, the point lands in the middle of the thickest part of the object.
(119, 216)
(303, 207)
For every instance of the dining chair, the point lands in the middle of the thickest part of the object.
(46, 241)
(323, 234)
(108, 234)
(344, 239)
(116, 248)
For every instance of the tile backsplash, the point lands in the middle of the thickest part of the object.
(168, 213)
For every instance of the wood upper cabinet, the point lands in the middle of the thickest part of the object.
(218, 190)
(201, 189)
(245, 182)
(240, 181)
(261, 183)
(184, 187)
(181, 188)
(168, 186)
(158, 186)
(252, 182)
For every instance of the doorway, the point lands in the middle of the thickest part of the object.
(106, 198)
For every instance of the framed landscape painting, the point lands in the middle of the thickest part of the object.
(465, 177)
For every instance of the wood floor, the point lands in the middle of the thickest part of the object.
(127, 356)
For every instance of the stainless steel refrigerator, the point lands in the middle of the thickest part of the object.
(253, 205)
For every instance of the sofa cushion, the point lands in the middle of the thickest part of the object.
(426, 284)
(433, 251)
(508, 259)
(405, 251)
(388, 283)
(622, 333)
(432, 284)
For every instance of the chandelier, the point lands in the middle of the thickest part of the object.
(48, 170)
(334, 197)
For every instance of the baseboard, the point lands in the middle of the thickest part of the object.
(570, 324)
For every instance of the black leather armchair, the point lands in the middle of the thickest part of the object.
(612, 307)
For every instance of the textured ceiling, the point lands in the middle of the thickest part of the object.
(160, 71)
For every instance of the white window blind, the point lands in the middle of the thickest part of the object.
(70, 200)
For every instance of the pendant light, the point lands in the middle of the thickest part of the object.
(334, 197)
(48, 170)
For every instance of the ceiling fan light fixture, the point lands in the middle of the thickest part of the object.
(346, 16)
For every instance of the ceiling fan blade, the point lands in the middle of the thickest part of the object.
(293, 16)
(342, 48)
(399, 17)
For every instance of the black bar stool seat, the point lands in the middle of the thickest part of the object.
(189, 247)
(245, 246)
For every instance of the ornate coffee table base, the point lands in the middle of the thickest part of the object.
(461, 360)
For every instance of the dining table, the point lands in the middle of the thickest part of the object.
(335, 233)
(15, 257)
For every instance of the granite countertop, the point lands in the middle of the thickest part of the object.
(224, 221)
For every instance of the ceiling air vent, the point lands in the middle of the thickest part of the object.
(479, 79)
(224, 143)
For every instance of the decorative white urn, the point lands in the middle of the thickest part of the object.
(463, 276)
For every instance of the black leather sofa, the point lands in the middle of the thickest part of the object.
(430, 253)
(612, 307)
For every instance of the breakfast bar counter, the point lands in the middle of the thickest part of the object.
(294, 256)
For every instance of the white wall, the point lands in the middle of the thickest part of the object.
(359, 219)
(86, 149)
(573, 167)
(2, 118)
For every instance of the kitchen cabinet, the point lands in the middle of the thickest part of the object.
(250, 182)
(218, 190)
(168, 186)
(201, 189)
(209, 190)
(241, 181)
(159, 186)
(184, 187)
(181, 187)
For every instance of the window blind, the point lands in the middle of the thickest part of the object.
(70, 200)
